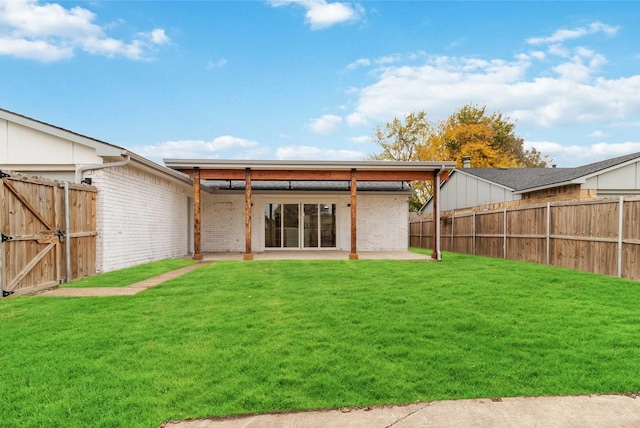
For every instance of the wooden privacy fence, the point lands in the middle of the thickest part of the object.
(48, 233)
(600, 236)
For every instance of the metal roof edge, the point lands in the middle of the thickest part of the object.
(161, 169)
(306, 164)
(546, 186)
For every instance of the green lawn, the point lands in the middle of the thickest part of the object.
(125, 277)
(261, 336)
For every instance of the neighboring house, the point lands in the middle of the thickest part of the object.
(469, 188)
(142, 208)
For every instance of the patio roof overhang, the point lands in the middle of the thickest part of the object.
(310, 170)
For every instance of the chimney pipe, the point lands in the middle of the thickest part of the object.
(466, 162)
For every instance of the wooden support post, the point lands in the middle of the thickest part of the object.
(247, 215)
(436, 216)
(197, 248)
(353, 255)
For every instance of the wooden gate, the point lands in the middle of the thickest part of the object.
(48, 233)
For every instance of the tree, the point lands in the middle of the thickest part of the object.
(489, 139)
(400, 139)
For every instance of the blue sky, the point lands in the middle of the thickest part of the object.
(311, 79)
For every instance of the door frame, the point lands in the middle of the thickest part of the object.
(288, 200)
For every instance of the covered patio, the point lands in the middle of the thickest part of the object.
(352, 172)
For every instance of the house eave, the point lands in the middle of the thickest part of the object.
(548, 186)
(307, 165)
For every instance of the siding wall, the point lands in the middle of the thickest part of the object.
(382, 220)
(141, 217)
(464, 191)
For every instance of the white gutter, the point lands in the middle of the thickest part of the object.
(81, 169)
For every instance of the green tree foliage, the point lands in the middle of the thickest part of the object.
(489, 139)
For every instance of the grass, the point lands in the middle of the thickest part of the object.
(262, 336)
(128, 276)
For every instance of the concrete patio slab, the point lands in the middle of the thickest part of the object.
(320, 255)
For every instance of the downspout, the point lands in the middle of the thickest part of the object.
(81, 169)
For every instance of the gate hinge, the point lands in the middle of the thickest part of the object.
(6, 238)
(6, 293)
(4, 174)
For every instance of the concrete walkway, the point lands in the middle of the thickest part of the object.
(596, 411)
(121, 291)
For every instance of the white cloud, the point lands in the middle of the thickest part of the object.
(325, 124)
(362, 62)
(323, 14)
(316, 153)
(562, 35)
(597, 134)
(49, 32)
(212, 65)
(225, 146)
(360, 140)
(574, 155)
(563, 90)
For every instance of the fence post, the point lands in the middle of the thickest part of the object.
(504, 231)
(67, 233)
(420, 240)
(473, 234)
(620, 226)
(548, 232)
(453, 218)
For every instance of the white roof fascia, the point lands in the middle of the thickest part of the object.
(102, 148)
(159, 169)
(548, 186)
(302, 164)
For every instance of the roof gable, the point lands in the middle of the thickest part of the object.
(101, 148)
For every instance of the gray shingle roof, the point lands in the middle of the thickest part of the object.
(366, 186)
(519, 179)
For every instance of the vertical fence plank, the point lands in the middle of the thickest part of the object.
(620, 232)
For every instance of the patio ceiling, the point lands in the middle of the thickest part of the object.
(310, 170)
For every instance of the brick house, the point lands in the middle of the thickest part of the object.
(146, 211)
(142, 209)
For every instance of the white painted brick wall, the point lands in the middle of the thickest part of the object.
(140, 217)
(383, 222)
(222, 223)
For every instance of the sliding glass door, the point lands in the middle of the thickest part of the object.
(303, 225)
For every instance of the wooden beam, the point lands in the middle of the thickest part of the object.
(247, 215)
(353, 255)
(197, 248)
(394, 175)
